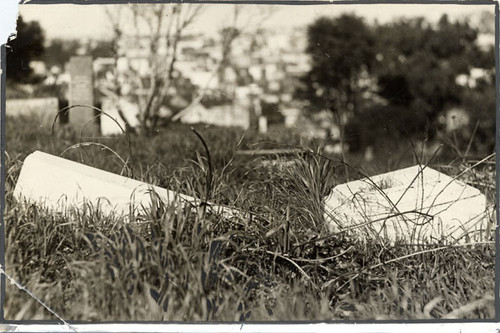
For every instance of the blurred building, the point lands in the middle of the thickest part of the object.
(263, 69)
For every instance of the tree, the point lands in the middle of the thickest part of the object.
(413, 66)
(158, 28)
(418, 65)
(342, 51)
(480, 102)
(102, 49)
(238, 26)
(58, 52)
(27, 45)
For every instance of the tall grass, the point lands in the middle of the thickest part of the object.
(275, 262)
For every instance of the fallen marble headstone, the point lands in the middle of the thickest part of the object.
(412, 205)
(59, 184)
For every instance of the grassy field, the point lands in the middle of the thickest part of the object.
(191, 265)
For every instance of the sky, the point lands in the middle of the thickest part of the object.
(90, 21)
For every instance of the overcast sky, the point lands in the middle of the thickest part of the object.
(82, 21)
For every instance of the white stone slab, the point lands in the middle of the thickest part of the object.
(110, 122)
(58, 184)
(263, 124)
(413, 205)
(223, 115)
(43, 108)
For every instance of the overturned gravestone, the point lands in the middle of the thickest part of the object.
(413, 205)
(60, 184)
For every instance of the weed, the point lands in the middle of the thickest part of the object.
(276, 261)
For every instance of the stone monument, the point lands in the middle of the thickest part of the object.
(81, 92)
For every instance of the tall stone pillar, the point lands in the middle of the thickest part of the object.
(81, 92)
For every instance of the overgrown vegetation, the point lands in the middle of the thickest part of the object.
(273, 263)
(384, 83)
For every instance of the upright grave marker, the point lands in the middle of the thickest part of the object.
(81, 92)
(263, 124)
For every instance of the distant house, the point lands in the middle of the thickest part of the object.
(261, 76)
(195, 114)
(455, 119)
(224, 115)
(485, 41)
(474, 76)
(38, 68)
(101, 64)
(112, 123)
(291, 115)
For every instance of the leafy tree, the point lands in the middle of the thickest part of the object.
(342, 51)
(21, 50)
(228, 35)
(478, 137)
(416, 72)
(59, 51)
(418, 64)
(102, 49)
